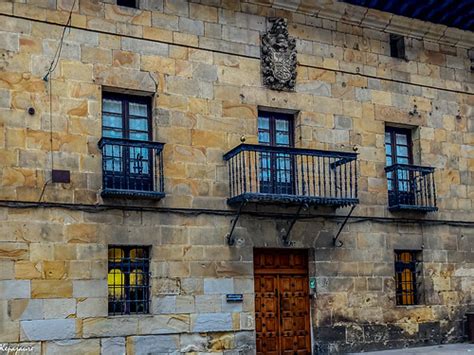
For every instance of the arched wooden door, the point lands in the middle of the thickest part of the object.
(282, 302)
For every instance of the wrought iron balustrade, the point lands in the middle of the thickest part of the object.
(411, 187)
(132, 168)
(291, 175)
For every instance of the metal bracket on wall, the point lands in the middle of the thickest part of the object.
(334, 240)
(230, 237)
(285, 238)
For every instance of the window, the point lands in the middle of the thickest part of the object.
(128, 154)
(408, 277)
(398, 150)
(397, 46)
(276, 169)
(127, 3)
(128, 280)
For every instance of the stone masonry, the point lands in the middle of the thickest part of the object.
(201, 62)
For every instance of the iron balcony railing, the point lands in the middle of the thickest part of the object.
(132, 168)
(411, 187)
(291, 175)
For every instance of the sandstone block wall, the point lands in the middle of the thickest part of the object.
(200, 60)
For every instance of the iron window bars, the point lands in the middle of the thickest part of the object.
(291, 175)
(408, 277)
(132, 168)
(411, 187)
(128, 280)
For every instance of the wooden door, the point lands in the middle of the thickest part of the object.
(282, 302)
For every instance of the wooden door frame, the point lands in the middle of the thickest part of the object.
(276, 272)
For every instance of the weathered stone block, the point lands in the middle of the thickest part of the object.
(76, 346)
(25, 309)
(191, 26)
(89, 288)
(218, 286)
(51, 329)
(109, 327)
(59, 308)
(12, 289)
(164, 324)
(51, 289)
(211, 322)
(164, 305)
(160, 344)
(112, 346)
(144, 47)
(92, 307)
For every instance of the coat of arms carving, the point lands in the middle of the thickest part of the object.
(279, 57)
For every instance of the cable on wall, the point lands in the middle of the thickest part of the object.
(47, 78)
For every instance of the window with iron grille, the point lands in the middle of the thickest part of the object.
(128, 280)
(397, 46)
(408, 277)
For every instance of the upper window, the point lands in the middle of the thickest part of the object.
(127, 3)
(276, 169)
(398, 145)
(397, 46)
(132, 164)
(128, 280)
(408, 277)
(398, 150)
(125, 116)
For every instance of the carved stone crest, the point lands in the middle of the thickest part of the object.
(279, 57)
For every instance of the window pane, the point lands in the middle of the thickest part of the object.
(282, 125)
(282, 139)
(116, 254)
(139, 124)
(111, 120)
(402, 151)
(116, 283)
(264, 122)
(139, 136)
(264, 137)
(387, 137)
(401, 138)
(136, 109)
(113, 106)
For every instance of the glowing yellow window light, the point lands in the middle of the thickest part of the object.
(116, 282)
(406, 278)
(136, 277)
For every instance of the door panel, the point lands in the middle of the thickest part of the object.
(282, 302)
(266, 314)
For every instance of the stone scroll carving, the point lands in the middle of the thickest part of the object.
(278, 57)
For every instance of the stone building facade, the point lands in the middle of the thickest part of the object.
(197, 64)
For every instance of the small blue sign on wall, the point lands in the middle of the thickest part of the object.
(235, 297)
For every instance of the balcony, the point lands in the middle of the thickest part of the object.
(411, 187)
(266, 174)
(132, 168)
